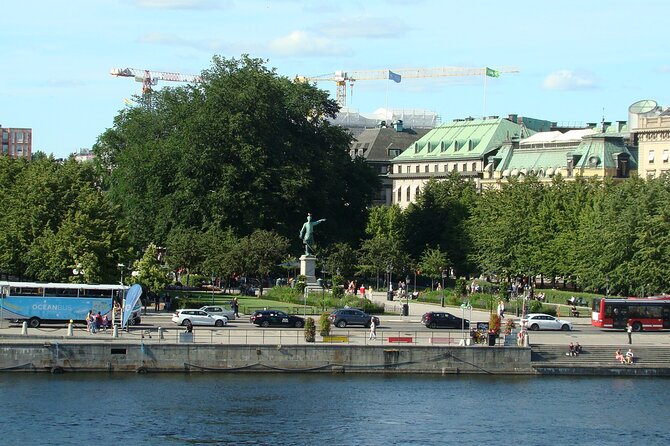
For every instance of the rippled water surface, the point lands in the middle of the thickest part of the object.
(278, 409)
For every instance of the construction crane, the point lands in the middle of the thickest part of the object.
(342, 77)
(150, 78)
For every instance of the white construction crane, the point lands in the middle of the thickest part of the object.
(342, 77)
(150, 78)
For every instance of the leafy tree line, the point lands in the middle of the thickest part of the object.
(223, 172)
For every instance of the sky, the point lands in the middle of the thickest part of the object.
(578, 61)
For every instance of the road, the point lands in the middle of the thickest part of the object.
(392, 326)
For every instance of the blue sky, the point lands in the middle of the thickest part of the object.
(576, 59)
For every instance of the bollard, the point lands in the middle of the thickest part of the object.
(24, 328)
(160, 333)
(70, 328)
(115, 332)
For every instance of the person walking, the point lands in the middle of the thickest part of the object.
(629, 330)
(236, 307)
(373, 329)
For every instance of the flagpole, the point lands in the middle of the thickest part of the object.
(485, 76)
(387, 100)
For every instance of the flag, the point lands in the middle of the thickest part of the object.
(395, 77)
(490, 72)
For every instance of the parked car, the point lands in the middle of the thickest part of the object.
(198, 317)
(351, 316)
(276, 318)
(219, 311)
(539, 321)
(441, 319)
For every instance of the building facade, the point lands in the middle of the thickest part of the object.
(17, 142)
(463, 146)
(590, 152)
(652, 136)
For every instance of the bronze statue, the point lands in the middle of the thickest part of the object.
(307, 233)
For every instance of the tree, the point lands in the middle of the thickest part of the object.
(244, 149)
(260, 253)
(150, 272)
(340, 257)
(433, 263)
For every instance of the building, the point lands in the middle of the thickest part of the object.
(17, 142)
(463, 145)
(382, 136)
(650, 131)
(589, 152)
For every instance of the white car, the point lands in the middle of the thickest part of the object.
(198, 317)
(539, 321)
(220, 311)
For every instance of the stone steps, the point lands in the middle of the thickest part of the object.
(597, 356)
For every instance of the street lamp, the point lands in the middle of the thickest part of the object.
(443, 271)
(465, 306)
(79, 272)
(121, 266)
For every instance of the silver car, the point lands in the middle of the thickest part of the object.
(539, 321)
(220, 311)
(198, 317)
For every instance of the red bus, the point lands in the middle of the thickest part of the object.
(647, 313)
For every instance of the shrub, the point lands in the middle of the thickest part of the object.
(535, 306)
(461, 286)
(324, 324)
(310, 330)
(509, 325)
(494, 324)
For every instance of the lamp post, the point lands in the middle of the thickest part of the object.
(443, 271)
(465, 306)
(121, 266)
(79, 272)
(324, 271)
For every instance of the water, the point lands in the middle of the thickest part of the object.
(279, 409)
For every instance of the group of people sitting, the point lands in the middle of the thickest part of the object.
(628, 358)
(574, 349)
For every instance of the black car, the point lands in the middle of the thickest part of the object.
(439, 319)
(351, 316)
(276, 318)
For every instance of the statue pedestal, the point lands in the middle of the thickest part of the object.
(308, 268)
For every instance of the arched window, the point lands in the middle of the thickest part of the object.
(474, 167)
(399, 194)
(409, 198)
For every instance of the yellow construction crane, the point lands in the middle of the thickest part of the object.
(150, 78)
(342, 77)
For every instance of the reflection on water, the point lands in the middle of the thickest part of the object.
(277, 409)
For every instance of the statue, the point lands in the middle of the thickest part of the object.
(307, 233)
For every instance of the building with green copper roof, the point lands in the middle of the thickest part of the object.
(463, 145)
(589, 152)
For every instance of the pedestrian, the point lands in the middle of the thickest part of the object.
(236, 307)
(116, 312)
(501, 309)
(629, 330)
(373, 328)
(89, 321)
(630, 358)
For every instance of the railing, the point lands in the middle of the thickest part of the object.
(271, 336)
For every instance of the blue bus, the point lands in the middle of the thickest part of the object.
(59, 302)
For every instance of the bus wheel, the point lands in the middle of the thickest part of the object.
(637, 326)
(33, 322)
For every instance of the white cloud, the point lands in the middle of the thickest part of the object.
(178, 4)
(365, 27)
(301, 43)
(568, 80)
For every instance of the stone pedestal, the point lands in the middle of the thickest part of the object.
(308, 268)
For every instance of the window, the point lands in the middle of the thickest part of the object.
(18, 137)
(474, 167)
(446, 167)
(425, 168)
(399, 195)
(665, 156)
(651, 157)
(399, 169)
(417, 191)
(435, 168)
(408, 169)
(465, 167)
(408, 194)
(417, 168)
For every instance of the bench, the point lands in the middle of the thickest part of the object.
(401, 339)
(344, 339)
